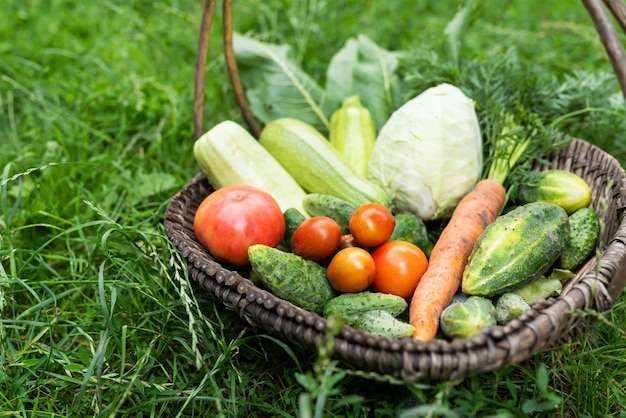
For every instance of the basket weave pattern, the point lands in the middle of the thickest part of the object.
(550, 322)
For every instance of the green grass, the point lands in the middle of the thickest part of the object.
(97, 316)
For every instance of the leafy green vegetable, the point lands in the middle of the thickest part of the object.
(468, 318)
(510, 306)
(428, 155)
(363, 68)
(276, 86)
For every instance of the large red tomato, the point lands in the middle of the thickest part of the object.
(235, 217)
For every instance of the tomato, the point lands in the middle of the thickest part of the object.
(372, 224)
(351, 270)
(399, 268)
(236, 216)
(316, 238)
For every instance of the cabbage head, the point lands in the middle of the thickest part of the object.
(428, 155)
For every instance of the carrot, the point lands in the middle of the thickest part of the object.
(442, 278)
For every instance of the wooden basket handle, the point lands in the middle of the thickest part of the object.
(596, 9)
(608, 33)
(231, 67)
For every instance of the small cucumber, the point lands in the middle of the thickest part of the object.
(516, 248)
(584, 229)
(411, 228)
(350, 306)
(291, 277)
(315, 164)
(317, 204)
(560, 187)
(293, 219)
(383, 324)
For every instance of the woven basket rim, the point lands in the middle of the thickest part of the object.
(548, 323)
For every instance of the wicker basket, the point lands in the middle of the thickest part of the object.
(549, 323)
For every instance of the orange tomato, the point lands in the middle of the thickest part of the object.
(372, 224)
(399, 268)
(351, 270)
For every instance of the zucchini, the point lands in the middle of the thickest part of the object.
(229, 154)
(584, 229)
(291, 277)
(317, 204)
(560, 187)
(352, 133)
(516, 248)
(383, 324)
(317, 167)
(350, 306)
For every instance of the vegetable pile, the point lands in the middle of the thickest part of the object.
(406, 217)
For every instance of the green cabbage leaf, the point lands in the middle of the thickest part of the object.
(429, 154)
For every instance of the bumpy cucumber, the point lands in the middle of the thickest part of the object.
(560, 187)
(317, 204)
(291, 277)
(516, 248)
(350, 306)
(411, 228)
(584, 229)
(315, 164)
(293, 219)
(383, 324)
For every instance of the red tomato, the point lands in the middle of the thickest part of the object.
(235, 217)
(316, 238)
(351, 270)
(372, 224)
(399, 267)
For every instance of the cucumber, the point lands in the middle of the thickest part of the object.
(317, 204)
(516, 248)
(350, 306)
(353, 134)
(229, 154)
(411, 228)
(383, 324)
(584, 229)
(288, 276)
(317, 167)
(293, 218)
(560, 187)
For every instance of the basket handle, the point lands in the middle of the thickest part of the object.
(598, 13)
(231, 66)
(608, 34)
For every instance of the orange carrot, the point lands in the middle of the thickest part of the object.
(442, 278)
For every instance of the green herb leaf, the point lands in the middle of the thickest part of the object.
(363, 68)
(276, 86)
